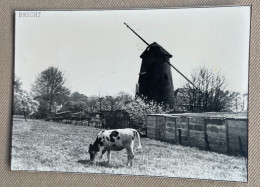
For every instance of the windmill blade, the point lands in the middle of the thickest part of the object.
(166, 61)
(182, 75)
(136, 34)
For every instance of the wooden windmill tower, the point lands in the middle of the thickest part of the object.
(155, 77)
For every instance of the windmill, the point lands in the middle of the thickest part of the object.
(155, 78)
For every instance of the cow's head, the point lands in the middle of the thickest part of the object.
(92, 150)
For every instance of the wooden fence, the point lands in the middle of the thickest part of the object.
(114, 122)
(219, 134)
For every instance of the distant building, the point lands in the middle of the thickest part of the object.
(107, 119)
(116, 119)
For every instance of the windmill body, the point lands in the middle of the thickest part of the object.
(155, 77)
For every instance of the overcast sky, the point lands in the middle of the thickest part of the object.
(98, 53)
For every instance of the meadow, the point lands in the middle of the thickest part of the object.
(39, 145)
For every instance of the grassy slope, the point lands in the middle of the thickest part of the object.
(49, 146)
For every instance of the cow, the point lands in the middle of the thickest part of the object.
(115, 140)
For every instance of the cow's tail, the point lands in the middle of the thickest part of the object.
(139, 146)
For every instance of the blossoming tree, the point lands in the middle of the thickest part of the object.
(138, 109)
(25, 103)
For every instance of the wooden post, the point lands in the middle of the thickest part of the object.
(241, 152)
(179, 132)
(156, 125)
(164, 129)
(146, 126)
(206, 136)
(175, 130)
(188, 131)
(227, 135)
(247, 138)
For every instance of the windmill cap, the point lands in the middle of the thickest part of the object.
(156, 45)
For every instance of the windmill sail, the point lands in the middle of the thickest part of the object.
(163, 49)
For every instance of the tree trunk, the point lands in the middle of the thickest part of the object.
(24, 114)
(49, 108)
(50, 104)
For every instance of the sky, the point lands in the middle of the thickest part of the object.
(101, 56)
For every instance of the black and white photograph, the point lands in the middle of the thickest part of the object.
(143, 92)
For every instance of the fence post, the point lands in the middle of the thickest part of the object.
(156, 128)
(146, 121)
(227, 135)
(175, 130)
(188, 133)
(247, 140)
(164, 129)
(206, 136)
(240, 146)
(179, 132)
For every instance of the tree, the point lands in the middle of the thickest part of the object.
(76, 102)
(50, 87)
(239, 102)
(123, 99)
(74, 106)
(98, 103)
(93, 104)
(210, 94)
(26, 103)
(111, 102)
(17, 84)
(76, 96)
(108, 103)
(17, 88)
(139, 108)
(244, 103)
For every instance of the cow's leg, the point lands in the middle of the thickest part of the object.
(128, 159)
(130, 156)
(108, 156)
(103, 152)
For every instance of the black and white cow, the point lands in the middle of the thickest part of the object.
(115, 140)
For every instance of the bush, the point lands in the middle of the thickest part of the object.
(139, 108)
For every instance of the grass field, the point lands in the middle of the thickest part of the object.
(49, 146)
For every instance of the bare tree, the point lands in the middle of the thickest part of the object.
(239, 103)
(210, 94)
(116, 102)
(49, 87)
(111, 102)
(93, 104)
(244, 101)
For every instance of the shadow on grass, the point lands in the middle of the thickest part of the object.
(102, 164)
(156, 145)
(18, 119)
